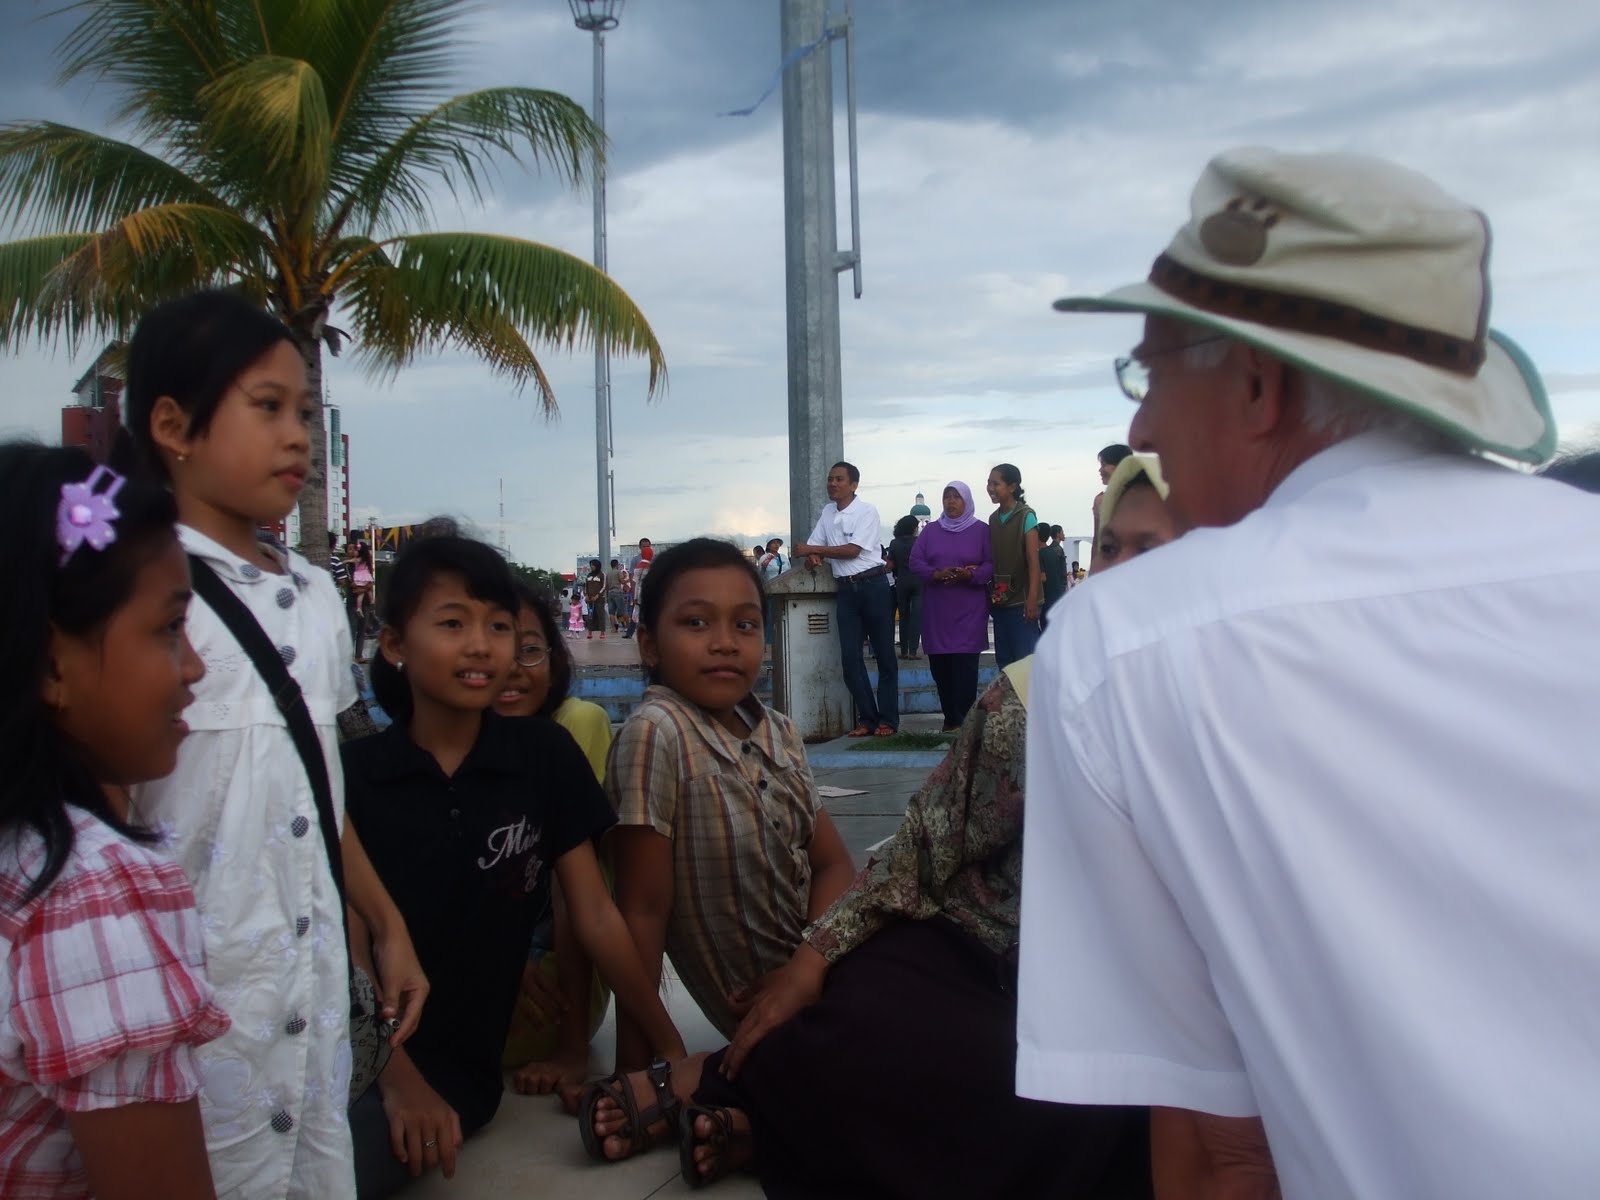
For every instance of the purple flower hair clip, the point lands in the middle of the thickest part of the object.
(85, 515)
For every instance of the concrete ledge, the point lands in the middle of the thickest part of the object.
(824, 757)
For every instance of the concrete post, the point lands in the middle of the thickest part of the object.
(816, 405)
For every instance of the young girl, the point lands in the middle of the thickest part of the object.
(562, 1001)
(724, 852)
(466, 813)
(574, 613)
(594, 599)
(361, 585)
(219, 407)
(1017, 595)
(103, 995)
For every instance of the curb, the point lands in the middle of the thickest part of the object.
(830, 760)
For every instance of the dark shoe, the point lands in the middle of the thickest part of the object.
(723, 1138)
(638, 1136)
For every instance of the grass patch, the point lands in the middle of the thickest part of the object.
(907, 741)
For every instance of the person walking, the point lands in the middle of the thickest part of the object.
(907, 586)
(594, 600)
(953, 559)
(846, 536)
(1018, 591)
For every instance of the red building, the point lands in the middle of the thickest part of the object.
(92, 419)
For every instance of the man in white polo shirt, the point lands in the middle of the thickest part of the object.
(848, 536)
(1312, 861)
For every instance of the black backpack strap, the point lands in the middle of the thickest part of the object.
(253, 640)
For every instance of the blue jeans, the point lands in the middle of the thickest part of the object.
(1014, 636)
(866, 609)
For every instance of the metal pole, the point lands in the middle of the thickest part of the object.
(602, 359)
(816, 406)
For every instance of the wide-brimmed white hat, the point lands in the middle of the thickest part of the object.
(1357, 269)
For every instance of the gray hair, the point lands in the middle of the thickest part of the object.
(1330, 406)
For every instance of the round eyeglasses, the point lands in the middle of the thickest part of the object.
(1133, 372)
(532, 656)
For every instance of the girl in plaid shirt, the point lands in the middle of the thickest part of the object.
(103, 995)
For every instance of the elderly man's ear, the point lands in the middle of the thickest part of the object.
(1267, 400)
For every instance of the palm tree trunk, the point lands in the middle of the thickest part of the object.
(314, 496)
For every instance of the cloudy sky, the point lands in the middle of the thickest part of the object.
(1011, 151)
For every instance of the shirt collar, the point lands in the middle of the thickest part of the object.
(763, 731)
(230, 566)
(1357, 453)
(497, 750)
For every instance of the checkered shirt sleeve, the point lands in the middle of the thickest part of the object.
(108, 987)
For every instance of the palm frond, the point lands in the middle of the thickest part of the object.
(456, 143)
(435, 290)
(64, 178)
(266, 119)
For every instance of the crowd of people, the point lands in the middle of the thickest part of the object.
(1269, 868)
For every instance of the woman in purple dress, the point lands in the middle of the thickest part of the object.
(952, 556)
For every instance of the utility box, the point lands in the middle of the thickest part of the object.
(807, 680)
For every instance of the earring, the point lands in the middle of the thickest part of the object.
(399, 666)
(183, 458)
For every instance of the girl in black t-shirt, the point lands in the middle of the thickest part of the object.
(464, 813)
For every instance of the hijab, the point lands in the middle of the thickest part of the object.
(967, 519)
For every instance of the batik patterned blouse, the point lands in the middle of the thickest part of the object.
(958, 852)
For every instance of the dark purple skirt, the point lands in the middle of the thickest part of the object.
(899, 1083)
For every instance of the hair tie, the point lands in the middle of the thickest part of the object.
(85, 515)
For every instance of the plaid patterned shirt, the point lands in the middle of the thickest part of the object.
(103, 997)
(740, 813)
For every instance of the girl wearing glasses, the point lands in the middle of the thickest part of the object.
(563, 999)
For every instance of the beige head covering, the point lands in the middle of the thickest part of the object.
(1356, 269)
(1127, 470)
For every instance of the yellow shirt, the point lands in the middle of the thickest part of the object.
(590, 728)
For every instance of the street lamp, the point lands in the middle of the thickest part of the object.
(595, 17)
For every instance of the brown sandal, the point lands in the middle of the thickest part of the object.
(639, 1137)
(860, 731)
(723, 1134)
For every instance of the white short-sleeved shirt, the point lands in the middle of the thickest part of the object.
(240, 818)
(857, 525)
(1314, 831)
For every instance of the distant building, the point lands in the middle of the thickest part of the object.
(921, 511)
(95, 414)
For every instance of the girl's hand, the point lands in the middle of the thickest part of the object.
(402, 987)
(772, 1000)
(1030, 609)
(564, 1075)
(424, 1131)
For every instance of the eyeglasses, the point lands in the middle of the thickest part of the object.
(1133, 372)
(531, 656)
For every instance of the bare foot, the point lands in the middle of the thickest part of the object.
(611, 1124)
(717, 1150)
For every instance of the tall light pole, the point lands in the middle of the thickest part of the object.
(595, 17)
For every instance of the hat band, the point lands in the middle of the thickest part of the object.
(1324, 318)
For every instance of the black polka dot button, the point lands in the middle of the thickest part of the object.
(299, 826)
(286, 653)
(285, 597)
(282, 1121)
(301, 924)
(250, 571)
(295, 1027)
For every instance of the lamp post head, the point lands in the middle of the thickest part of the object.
(595, 16)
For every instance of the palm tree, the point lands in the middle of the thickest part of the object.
(287, 149)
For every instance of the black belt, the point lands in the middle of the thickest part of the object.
(861, 575)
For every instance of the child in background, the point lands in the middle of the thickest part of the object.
(103, 994)
(575, 613)
(563, 999)
(724, 852)
(465, 812)
(218, 406)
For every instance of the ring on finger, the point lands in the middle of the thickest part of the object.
(430, 1143)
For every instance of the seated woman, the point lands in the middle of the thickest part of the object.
(723, 850)
(909, 976)
(557, 1011)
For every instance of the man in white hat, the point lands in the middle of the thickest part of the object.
(1312, 862)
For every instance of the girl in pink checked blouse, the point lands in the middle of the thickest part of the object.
(103, 995)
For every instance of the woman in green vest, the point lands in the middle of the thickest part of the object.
(1017, 594)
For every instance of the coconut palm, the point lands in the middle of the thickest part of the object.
(288, 149)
